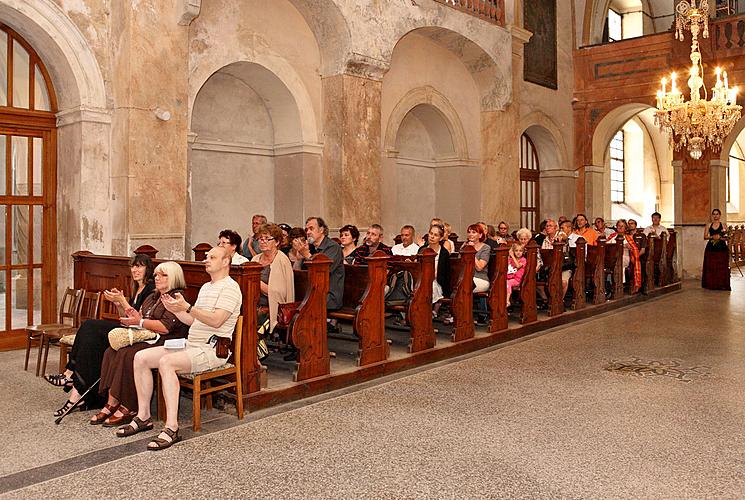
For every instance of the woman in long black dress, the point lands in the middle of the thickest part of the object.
(716, 271)
(92, 340)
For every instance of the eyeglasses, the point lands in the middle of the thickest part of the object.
(265, 239)
(161, 275)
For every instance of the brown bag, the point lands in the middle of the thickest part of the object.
(286, 312)
(222, 347)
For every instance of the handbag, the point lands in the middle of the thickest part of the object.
(123, 337)
(285, 313)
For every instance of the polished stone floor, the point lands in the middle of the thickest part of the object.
(642, 402)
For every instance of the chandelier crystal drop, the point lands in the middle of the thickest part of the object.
(698, 123)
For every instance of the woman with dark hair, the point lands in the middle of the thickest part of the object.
(91, 339)
(349, 235)
(630, 254)
(583, 228)
(285, 245)
(716, 273)
(476, 237)
(297, 239)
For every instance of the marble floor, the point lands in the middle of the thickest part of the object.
(641, 402)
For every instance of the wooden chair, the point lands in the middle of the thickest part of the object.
(68, 313)
(88, 309)
(194, 381)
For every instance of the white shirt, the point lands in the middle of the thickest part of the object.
(400, 249)
(572, 240)
(658, 229)
(238, 259)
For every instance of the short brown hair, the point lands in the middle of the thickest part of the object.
(272, 230)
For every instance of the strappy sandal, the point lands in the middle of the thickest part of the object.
(102, 415)
(134, 427)
(161, 444)
(59, 380)
(68, 404)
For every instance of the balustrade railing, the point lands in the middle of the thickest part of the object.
(489, 10)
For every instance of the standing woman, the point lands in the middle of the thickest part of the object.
(91, 339)
(716, 273)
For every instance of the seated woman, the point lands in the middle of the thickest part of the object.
(349, 235)
(476, 237)
(553, 236)
(117, 372)
(297, 239)
(441, 283)
(630, 254)
(91, 340)
(277, 279)
(446, 241)
(583, 228)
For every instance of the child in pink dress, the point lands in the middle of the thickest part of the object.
(515, 268)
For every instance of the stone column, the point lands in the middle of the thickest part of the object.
(351, 163)
(595, 204)
(297, 183)
(149, 127)
(557, 192)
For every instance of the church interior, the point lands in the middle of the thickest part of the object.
(150, 128)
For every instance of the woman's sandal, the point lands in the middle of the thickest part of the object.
(102, 415)
(159, 443)
(67, 406)
(134, 427)
(59, 380)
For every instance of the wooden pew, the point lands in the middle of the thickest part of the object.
(670, 275)
(553, 260)
(662, 261)
(200, 251)
(578, 277)
(96, 273)
(363, 305)
(498, 289)
(419, 307)
(654, 252)
(529, 312)
(595, 270)
(614, 266)
(462, 265)
(308, 327)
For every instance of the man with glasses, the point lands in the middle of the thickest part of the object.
(231, 241)
(503, 234)
(318, 242)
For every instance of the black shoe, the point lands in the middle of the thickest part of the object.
(291, 356)
(331, 328)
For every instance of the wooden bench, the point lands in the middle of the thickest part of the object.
(363, 305)
(595, 270)
(529, 312)
(418, 308)
(497, 297)
(614, 266)
(670, 275)
(553, 259)
(579, 252)
(462, 266)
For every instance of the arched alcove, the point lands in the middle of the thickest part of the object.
(247, 152)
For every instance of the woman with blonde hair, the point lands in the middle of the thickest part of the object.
(117, 369)
(446, 242)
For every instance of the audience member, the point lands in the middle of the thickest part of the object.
(503, 233)
(567, 234)
(630, 253)
(446, 241)
(516, 263)
(582, 228)
(476, 237)
(373, 243)
(441, 283)
(297, 239)
(407, 245)
(349, 235)
(91, 340)
(231, 241)
(285, 245)
(656, 229)
(601, 229)
(642, 242)
(318, 242)
(251, 246)
(492, 243)
(117, 369)
(212, 319)
(547, 243)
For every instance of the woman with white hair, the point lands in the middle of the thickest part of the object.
(117, 369)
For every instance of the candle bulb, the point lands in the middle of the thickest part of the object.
(664, 85)
(718, 71)
(726, 83)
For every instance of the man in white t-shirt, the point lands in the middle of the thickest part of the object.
(213, 315)
(407, 246)
(231, 241)
(656, 228)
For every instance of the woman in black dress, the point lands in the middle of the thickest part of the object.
(92, 340)
(715, 275)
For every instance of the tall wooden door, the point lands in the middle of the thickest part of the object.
(28, 180)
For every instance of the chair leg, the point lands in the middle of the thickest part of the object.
(209, 399)
(62, 357)
(46, 356)
(38, 356)
(197, 404)
(29, 337)
(239, 396)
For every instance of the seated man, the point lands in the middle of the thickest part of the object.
(371, 245)
(318, 242)
(251, 245)
(212, 317)
(601, 229)
(656, 229)
(231, 241)
(407, 245)
(631, 229)
(491, 242)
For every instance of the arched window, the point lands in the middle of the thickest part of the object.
(625, 19)
(617, 169)
(529, 184)
(27, 188)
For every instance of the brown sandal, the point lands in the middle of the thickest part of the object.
(161, 444)
(102, 415)
(131, 430)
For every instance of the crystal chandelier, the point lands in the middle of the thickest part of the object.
(698, 123)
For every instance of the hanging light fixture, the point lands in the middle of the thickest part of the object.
(698, 123)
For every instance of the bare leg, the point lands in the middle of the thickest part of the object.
(145, 361)
(168, 367)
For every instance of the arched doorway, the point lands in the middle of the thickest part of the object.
(530, 188)
(27, 187)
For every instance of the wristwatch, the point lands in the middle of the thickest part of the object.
(188, 309)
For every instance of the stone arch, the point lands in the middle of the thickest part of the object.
(609, 125)
(425, 144)
(594, 20)
(556, 178)
(248, 136)
(491, 80)
(731, 139)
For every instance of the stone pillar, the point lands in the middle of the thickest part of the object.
(594, 179)
(351, 163)
(557, 193)
(718, 186)
(297, 183)
(149, 128)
